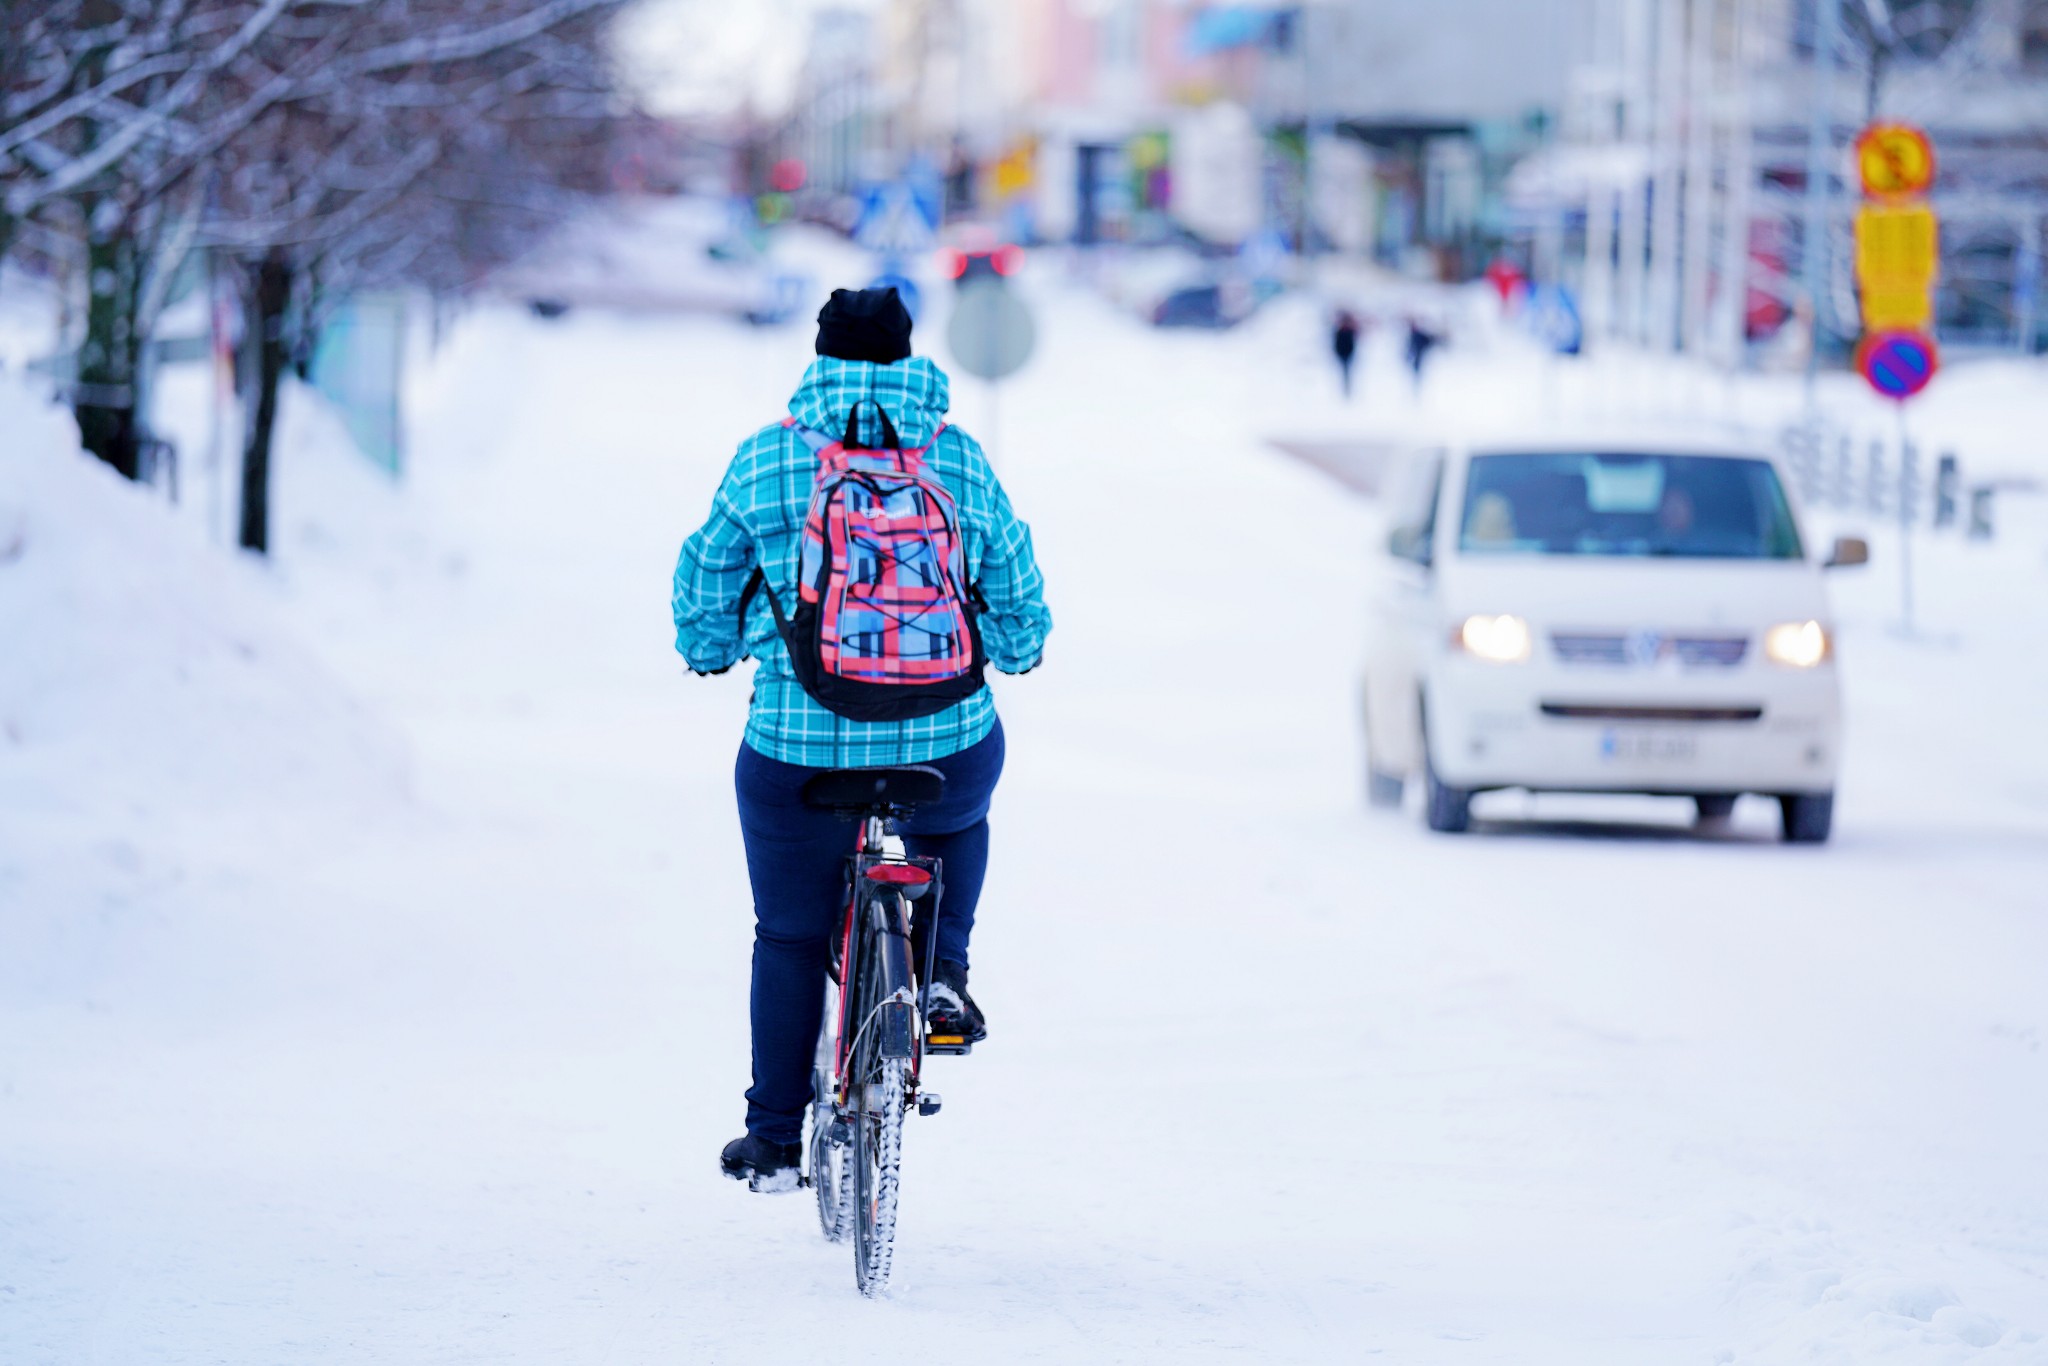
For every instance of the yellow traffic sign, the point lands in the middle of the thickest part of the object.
(1898, 310)
(1898, 246)
(1894, 159)
(1017, 170)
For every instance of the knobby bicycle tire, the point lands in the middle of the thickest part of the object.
(876, 1101)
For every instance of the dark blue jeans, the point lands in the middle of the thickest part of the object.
(796, 860)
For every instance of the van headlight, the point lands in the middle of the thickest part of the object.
(1797, 644)
(1502, 639)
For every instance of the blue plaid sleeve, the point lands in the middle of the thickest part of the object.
(710, 575)
(1013, 630)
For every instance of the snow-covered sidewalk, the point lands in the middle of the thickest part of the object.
(416, 1048)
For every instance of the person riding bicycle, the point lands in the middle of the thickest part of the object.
(864, 391)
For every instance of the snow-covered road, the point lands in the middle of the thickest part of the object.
(426, 1061)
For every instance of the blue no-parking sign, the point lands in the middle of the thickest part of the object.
(1897, 364)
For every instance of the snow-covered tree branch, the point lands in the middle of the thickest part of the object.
(366, 141)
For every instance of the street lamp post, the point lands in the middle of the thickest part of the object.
(1820, 148)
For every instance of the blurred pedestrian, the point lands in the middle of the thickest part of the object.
(1344, 342)
(1508, 281)
(1422, 339)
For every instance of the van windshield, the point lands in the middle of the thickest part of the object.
(1687, 506)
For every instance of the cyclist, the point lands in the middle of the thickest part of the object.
(864, 384)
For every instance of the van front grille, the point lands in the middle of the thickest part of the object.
(1618, 649)
(1584, 649)
(1603, 711)
(1711, 651)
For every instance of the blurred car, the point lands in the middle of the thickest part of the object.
(1599, 617)
(1224, 301)
(1173, 286)
(990, 261)
(1194, 306)
(655, 256)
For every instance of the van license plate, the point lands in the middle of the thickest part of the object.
(1648, 746)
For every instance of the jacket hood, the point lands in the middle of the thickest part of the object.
(914, 393)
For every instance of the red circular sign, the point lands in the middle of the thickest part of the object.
(1898, 364)
(1894, 159)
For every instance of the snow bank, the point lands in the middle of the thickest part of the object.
(144, 674)
(1584, 1088)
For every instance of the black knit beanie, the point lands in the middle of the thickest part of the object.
(864, 324)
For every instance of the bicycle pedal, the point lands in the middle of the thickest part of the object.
(929, 1103)
(948, 1045)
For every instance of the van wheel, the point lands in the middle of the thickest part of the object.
(1447, 809)
(1807, 817)
(1714, 806)
(1382, 789)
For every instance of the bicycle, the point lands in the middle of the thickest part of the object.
(872, 1043)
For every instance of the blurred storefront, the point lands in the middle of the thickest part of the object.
(1340, 125)
(1682, 198)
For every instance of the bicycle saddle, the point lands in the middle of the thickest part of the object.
(874, 789)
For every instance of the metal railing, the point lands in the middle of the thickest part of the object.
(1889, 480)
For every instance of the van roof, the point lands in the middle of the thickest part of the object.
(1619, 440)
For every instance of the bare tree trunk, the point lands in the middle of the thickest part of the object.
(269, 302)
(109, 363)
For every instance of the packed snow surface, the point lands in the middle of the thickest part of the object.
(374, 929)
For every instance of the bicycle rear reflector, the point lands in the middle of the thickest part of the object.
(898, 874)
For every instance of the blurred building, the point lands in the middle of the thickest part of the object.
(1684, 202)
(834, 117)
(1343, 124)
(1429, 106)
(1348, 125)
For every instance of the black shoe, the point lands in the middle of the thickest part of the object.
(952, 1010)
(770, 1168)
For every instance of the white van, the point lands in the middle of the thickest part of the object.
(1601, 616)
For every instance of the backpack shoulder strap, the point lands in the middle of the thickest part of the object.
(914, 459)
(757, 582)
(816, 440)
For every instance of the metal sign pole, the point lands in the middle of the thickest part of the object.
(991, 335)
(1905, 525)
(1820, 150)
(992, 440)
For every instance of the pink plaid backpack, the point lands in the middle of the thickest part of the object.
(884, 627)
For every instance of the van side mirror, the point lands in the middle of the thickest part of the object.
(1848, 551)
(1409, 543)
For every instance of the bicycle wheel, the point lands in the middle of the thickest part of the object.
(831, 1163)
(877, 1103)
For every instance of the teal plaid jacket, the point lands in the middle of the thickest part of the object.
(757, 517)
